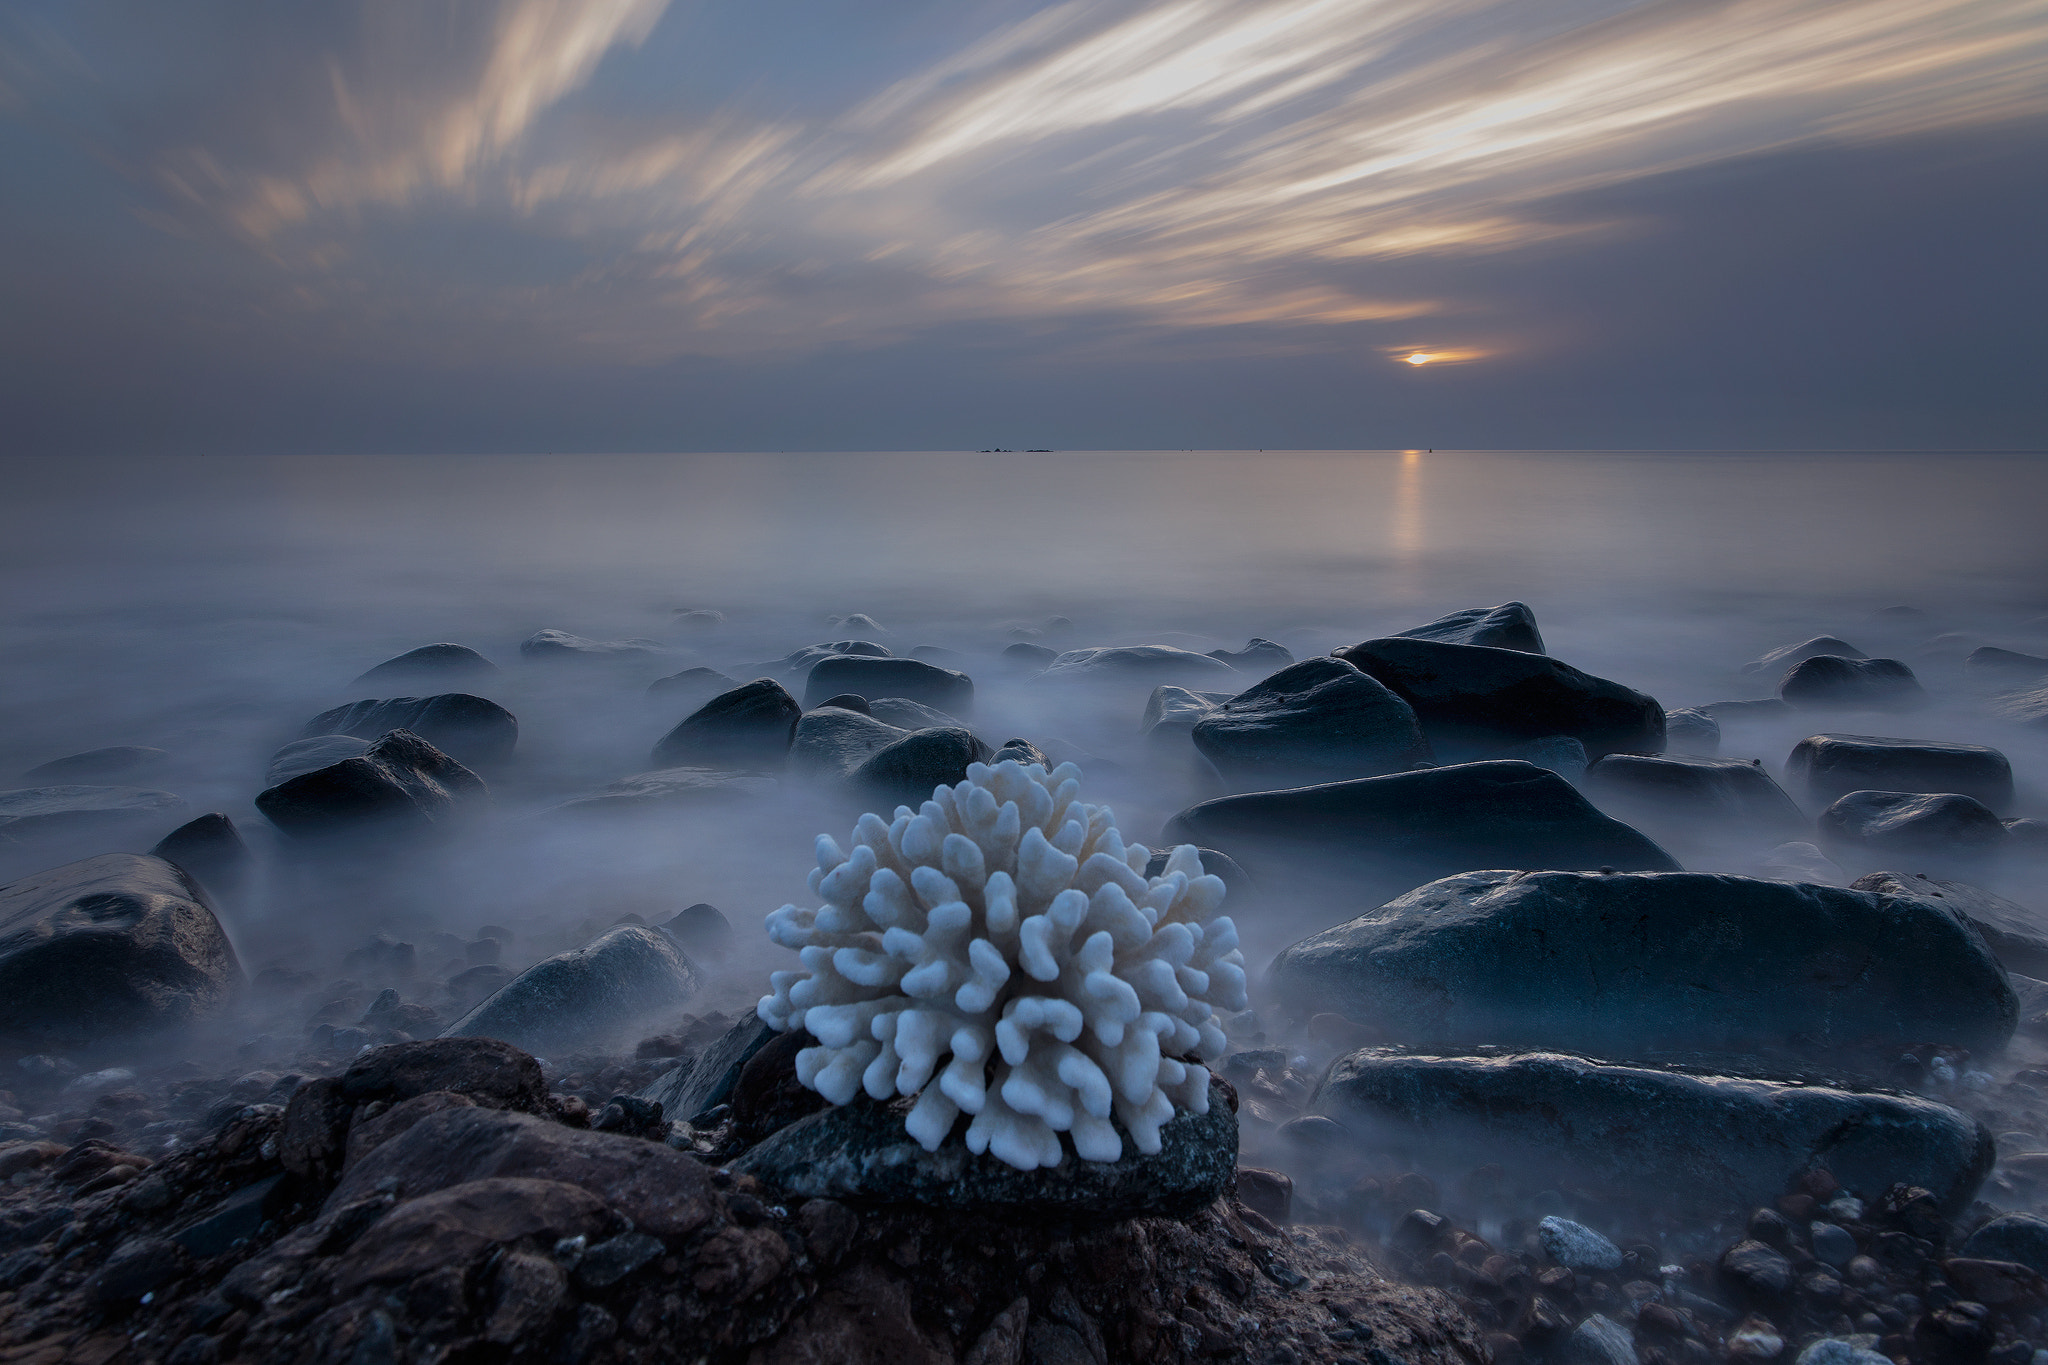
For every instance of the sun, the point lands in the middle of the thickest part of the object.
(1419, 358)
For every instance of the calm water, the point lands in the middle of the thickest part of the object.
(210, 606)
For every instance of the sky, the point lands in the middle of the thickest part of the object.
(402, 226)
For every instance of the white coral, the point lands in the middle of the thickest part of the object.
(1006, 930)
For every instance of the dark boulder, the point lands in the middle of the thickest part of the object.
(1633, 964)
(831, 741)
(859, 1153)
(451, 1229)
(400, 784)
(2017, 935)
(1259, 657)
(694, 686)
(310, 755)
(905, 714)
(687, 1091)
(1828, 682)
(1379, 836)
(443, 662)
(1690, 730)
(97, 765)
(2020, 1238)
(38, 814)
(1831, 766)
(470, 729)
(557, 645)
(1997, 669)
(1695, 802)
(951, 692)
(587, 995)
(702, 931)
(489, 1071)
(848, 701)
(1778, 660)
(749, 727)
(1149, 665)
(209, 850)
(683, 788)
(1025, 657)
(1022, 751)
(1942, 830)
(1511, 625)
(1560, 754)
(800, 662)
(113, 946)
(906, 772)
(1717, 1143)
(1472, 698)
(1171, 713)
(1320, 720)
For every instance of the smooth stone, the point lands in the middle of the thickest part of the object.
(686, 1092)
(34, 813)
(2018, 936)
(1756, 1271)
(586, 995)
(442, 661)
(1694, 801)
(469, 729)
(1172, 712)
(400, 784)
(489, 1071)
(905, 714)
(1473, 698)
(2005, 668)
(1835, 1245)
(1259, 658)
(303, 756)
(692, 685)
(1800, 861)
(1320, 720)
(702, 930)
(1830, 682)
(751, 726)
(1021, 751)
(1576, 1246)
(1722, 1143)
(1784, 656)
(1560, 754)
(831, 741)
(1830, 766)
(96, 765)
(1599, 1340)
(1626, 964)
(907, 771)
(1942, 830)
(1026, 657)
(1511, 625)
(682, 787)
(697, 618)
(118, 945)
(1150, 664)
(1836, 1351)
(1376, 837)
(560, 644)
(2021, 1238)
(914, 679)
(1689, 730)
(858, 1153)
(210, 850)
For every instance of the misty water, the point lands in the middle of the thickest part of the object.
(211, 606)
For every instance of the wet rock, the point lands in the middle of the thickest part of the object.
(613, 1259)
(310, 755)
(438, 663)
(906, 714)
(112, 946)
(859, 1154)
(1799, 860)
(1576, 1246)
(37, 814)
(238, 1218)
(399, 785)
(1690, 730)
(693, 685)
(1785, 656)
(686, 1092)
(748, 727)
(1173, 712)
(1560, 754)
(906, 772)
(138, 1266)
(559, 645)
(703, 932)
(2016, 934)
(800, 662)
(1706, 1142)
(914, 679)
(1756, 1272)
(664, 1192)
(1992, 667)
(1945, 831)
(1472, 699)
(1997, 1284)
(1830, 682)
(97, 765)
(1024, 656)
(2018, 1237)
(1693, 802)
(1625, 964)
(1384, 835)
(471, 729)
(664, 787)
(1021, 751)
(1259, 658)
(489, 1071)
(585, 995)
(1511, 625)
(1146, 664)
(831, 741)
(1599, 1340)
(1832, 1244)
(1320, 720)
(1831, 766)
(456, 1227)
(1836, 1351)
(210, 850)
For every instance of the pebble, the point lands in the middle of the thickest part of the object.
(1835, 1245)
(1576, 1246)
